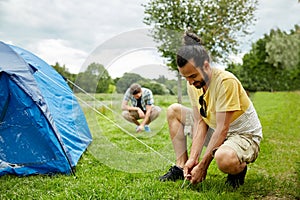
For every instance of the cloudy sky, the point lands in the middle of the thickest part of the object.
(69, 31)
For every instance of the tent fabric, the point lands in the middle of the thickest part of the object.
(42, 127)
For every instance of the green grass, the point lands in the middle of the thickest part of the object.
(117, 166)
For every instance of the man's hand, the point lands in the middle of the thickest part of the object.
(198, 174)
(139, 128)
(187, 169)
(141, 113)
(194, 172)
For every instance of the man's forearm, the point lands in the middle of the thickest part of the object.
(199, 134)
(147, 116)
(219, 135)
(129, 108)
(217, 139)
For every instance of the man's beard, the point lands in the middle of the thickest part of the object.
(201, 84)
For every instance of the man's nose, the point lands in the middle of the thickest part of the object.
(190, 80)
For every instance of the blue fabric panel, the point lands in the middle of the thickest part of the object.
(22, 145)
(67, 115)
(26, 140)
(4, 97)
(51, 167)
(41, 121)
(14, 65)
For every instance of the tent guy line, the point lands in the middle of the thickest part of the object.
(114, 123)
(82, 90)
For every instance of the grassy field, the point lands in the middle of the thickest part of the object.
(121, 164)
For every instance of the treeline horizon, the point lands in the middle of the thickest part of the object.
(272, 64)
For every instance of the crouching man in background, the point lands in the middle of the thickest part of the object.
(142, 107)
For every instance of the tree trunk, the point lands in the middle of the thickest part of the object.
(179, 88)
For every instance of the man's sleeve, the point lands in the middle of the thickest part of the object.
(126, 95)
(150, 99)
(228, 97)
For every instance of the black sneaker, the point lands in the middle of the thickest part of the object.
(238, 179)
(241, 176)
(174, 173)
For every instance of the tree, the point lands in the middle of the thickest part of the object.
(284, 49)
(95, 79)
(155, 87)
(126, 80)
(64, 72)
(272, 64)
(218, 23)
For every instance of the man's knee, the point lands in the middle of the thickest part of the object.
(155, 111)
(127, 115)
(226, 158)
(173, 110)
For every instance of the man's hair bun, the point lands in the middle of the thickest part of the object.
(191, 39)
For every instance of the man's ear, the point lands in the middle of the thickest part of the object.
(206, 65)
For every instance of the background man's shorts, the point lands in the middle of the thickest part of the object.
(130, 115)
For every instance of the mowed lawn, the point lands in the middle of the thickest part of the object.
(122, 164)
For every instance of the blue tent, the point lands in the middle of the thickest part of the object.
(42, 127)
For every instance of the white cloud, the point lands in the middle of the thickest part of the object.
(53, 51)
(273, 14)
(66, 31)
(237, 58)
(133, 60)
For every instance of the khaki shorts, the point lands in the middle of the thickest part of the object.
(243, 144)
(130, 115)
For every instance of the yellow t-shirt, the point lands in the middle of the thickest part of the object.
(225, 93)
